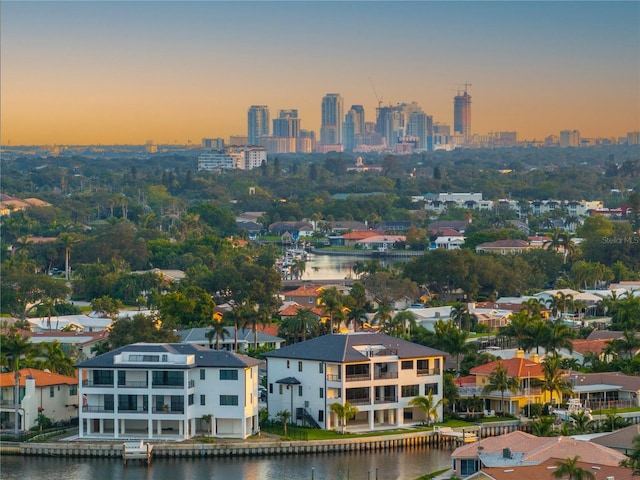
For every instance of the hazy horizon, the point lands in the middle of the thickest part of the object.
(172, 72)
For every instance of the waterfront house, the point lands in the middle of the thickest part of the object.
(378, 374)
(523, 369)
(504, 247)
(54, 395)
(163, 391)
(606, 390)
(519, 448)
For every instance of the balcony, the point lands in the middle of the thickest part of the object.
(169, 411)
(91, 383)
(422, 372)
(192, 383)
(358, 377)
(333, 378)
(384, 375)
(141, 384)
(132, 410)
(387, 399)
(94, 408)
(167, 385)
(7, 403)
(359, 401)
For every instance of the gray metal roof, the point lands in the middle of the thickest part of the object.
(339, 348)
(204, 357)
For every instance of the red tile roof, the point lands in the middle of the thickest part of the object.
(544, 471)
(360, 235)
(593, 346)
(293, 309)
(516, 367)
(304, 291)
(43, 379)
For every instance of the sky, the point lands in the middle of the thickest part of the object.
(123, 72)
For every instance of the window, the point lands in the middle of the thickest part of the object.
(122, 378)
(191, 399)
(468, 466)
(407, 365)
(177, 403)
(321, 415)
(280, 385)
(271, 388)
(103, 377)
(231, 400)
(410, 390)
(167, 378)
(73, 390)
(321, 368)
(228, 374)
(288, 363)
(321, 392)
(431, 387)
(108, 403)
(51, 392)
(203, 400)
(299, 366)
(299, 390)
(423, 366)
(202, 374)
(128, 403)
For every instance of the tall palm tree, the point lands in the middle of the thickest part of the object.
(332, 303)
(428, 405)
(559, 336)
(383, 315)
(519, 323)
(462, 317)
(284, 416)
(536, 334)
(451, 339)
(570, 470)
(238, 319)
(560, 303)
(304, 321)
(219, 332)
(344, 412)
(499, 380)
(55, 359)
(627, 343)
(14, 347)
(553, 379)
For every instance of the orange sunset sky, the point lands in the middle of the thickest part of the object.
(127, 72)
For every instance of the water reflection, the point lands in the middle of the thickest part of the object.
(330, 267)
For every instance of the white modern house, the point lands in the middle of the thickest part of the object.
(377, 373)
(40, 391)
(163, 391)
(246, 339)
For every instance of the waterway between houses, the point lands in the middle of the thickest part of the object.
(401, 464)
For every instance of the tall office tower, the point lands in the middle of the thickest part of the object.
(349, 130)
(569, 138)
(332, 117)
(358, 119)
(462, 115)
(287, 124)
(258, 123)
(420, 125)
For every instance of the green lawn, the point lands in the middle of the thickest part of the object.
(429, 476)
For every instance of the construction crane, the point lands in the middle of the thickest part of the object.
(376, 93)
(466, 84)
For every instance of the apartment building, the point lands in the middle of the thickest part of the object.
(163, 391)
(377, 373)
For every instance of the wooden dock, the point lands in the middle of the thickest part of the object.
(135, 450)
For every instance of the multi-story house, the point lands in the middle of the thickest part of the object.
(378, 374)
(54, 395)
(163, 391)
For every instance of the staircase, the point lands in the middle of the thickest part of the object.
(306, 417)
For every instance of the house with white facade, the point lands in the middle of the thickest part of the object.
(162, 391)
(246, 339)
(40, 391)
(378, 374)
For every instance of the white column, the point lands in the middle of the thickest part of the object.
(159, 427)
(371, 419)
(116, 428)
(380, 416)
(400, 417)
(101, 426)
(122, 426)
(81, 426)
(192, 431)
(150, 427)
(89, 420)
(181, 428)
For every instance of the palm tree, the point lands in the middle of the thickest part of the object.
(344, 412)
(298, 268)
(559, 336)
(569, 469)
(55, 359)
(428, 405)
(519, 323)
(208, 418)
(452, 340)
(383, 315)
(553, 379)
(332, 303)
(627, 343)
(582, 422)
(304, 321)
(536, 334)
(560, 303)
(499, 380)
(543, 426)
(633, 462)
(462, 317)
(237, 318)
(14, 347)
(284, 416)
(219, 332)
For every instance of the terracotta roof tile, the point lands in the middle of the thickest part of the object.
(516, 367)
(43, 379)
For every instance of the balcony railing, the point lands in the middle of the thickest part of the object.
(166, 385)
(141, 384)
(359, 401)
(91, 383)
(192, 383)
(333, 378)
(168, 411)
(95, 408)
(387, 399)
(421, 372)
(383, 375)
(132, 410)
(358, 378)
(7, 403)
(478, 391)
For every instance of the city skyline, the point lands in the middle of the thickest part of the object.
(173, 72)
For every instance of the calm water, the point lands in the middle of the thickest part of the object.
(329, 267)
(405, 464)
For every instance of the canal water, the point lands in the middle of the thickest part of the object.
(334, 267)
(401, 464)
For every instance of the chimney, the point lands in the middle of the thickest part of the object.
(519, 353)
(535, 358)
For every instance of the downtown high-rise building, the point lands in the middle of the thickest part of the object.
(353, 127)
(287, 124)
(462, 115)
(332, 118)
(258, 123)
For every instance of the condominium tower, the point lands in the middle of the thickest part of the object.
(462, 115)
(332, 118)
(258, 123)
